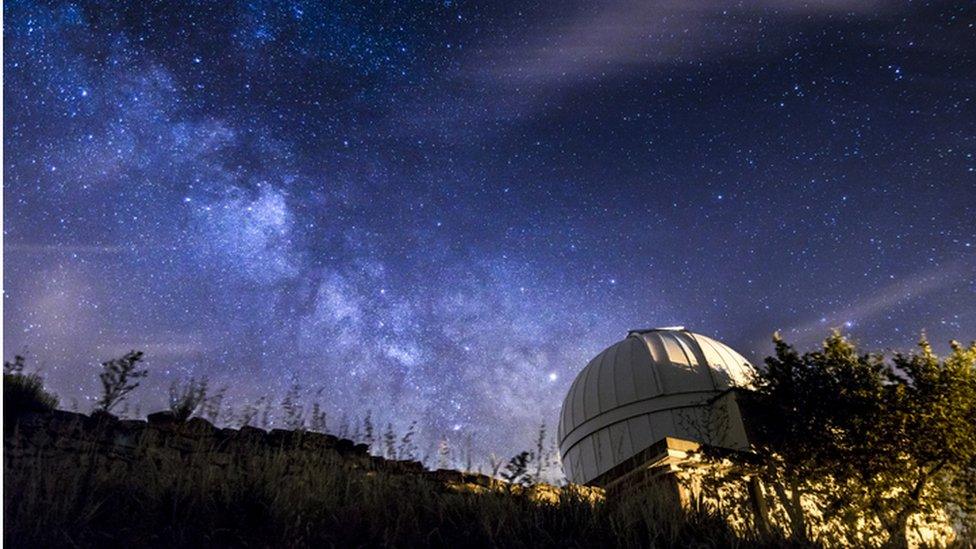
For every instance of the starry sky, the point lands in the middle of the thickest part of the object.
(439, 211)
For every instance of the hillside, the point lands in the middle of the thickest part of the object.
(77, 480)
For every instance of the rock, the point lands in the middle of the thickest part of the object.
(447, 476)
(408, 466)
(29, 421)
(248, 432)
(64, 419)
(480, 480)
(226, 436)
(283, 437)
(199, 426)
(361, 449)
(132, 424)
(101, 418)
(330, 441)
(127, 441)
(312, 440)
(162, 419)
(345, 446)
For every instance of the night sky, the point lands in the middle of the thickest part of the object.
(439, 211)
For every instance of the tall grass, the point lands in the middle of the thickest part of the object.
(81, 494)
(272, 498)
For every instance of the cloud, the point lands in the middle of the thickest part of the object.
(594, 42)
(887, 298)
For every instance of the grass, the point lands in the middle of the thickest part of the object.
(82, 499)
(24, 393)
(74, 493)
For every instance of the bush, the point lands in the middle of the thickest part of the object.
(185, 399)
(23, 393)
(120, 377)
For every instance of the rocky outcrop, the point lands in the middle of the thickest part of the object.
(106, 441)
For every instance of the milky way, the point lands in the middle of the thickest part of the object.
(440, 211)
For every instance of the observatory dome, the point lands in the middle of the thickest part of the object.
(663, 382)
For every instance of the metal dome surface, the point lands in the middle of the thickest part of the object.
(654, 384)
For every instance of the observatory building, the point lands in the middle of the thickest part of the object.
(645, 402)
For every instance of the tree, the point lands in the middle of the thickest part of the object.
(369, 430)
(928, 437)
(870, 441)
(517, 469)
(540, 448)
(119, 377)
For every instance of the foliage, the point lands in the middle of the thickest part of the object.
(318, 420)
(15, 367)
(369, 430)
(871, 442)
(186, 398)
(275, 499)
(443, 454)
(23, 392)
(119, 377)
(211, 408)
(407, 448)
(293, 408)
(517, 469)
(389, 442)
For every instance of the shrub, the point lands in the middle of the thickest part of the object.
(23, 392)
(186, 398)
(119, 378)
(517, 469)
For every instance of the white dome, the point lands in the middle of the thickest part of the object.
(654, 384)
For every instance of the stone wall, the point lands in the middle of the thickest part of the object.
(107, 441)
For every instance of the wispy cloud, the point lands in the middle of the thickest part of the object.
(887, 298)
(591, 43)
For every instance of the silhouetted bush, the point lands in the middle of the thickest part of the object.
(186, 398)
(23, 392)
(119, 377)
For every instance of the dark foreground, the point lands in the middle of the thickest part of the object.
(72, 480)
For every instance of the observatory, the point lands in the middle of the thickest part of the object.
(647, 400)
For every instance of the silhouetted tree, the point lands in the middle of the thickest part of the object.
(369, 434)
(517, 469)
(120, 377)
(319, 420)
(540, 451)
